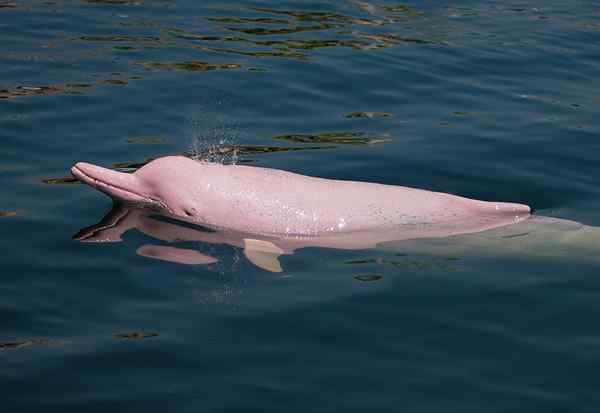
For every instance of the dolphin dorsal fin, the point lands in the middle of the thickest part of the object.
(263, 254)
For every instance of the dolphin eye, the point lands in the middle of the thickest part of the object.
(189, 212)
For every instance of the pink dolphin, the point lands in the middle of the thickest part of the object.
(275, 203)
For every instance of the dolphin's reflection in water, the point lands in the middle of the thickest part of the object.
(534, 237)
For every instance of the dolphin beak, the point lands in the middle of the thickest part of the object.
(118, 185)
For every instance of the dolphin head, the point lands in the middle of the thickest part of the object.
(161, 184)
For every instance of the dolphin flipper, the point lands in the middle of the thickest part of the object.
(263, 254)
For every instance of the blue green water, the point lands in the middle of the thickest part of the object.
(489, 100)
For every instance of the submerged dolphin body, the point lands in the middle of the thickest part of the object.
(272, 202)
(537, 238)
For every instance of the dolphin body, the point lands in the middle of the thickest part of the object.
(266, 201)
(269, 212)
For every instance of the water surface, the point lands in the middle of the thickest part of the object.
(485, 100)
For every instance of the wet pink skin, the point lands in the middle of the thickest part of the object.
(277, 203)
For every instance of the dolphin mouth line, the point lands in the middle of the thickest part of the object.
(98, 183)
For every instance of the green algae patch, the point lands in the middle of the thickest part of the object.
(363, 261)
(121, 38)
(112, 1)
(369, 115)
(245, 20)
(185, 35)
(113, 81)
(31, 91)
(34, 342)
(341, 138)
(190, 66)
(146, 140)
(463, 114)
(263, 31)
(278, 53)
(390, 39)
(313, 44)
(407, 263)
(135, 335)
(402, 8)
(60, 181)
(4, 214)
(368, 277)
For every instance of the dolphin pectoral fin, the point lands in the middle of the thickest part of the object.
(176, 255)
(263, 254)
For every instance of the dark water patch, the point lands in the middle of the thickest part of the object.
(368, 277)
(34, 342)
(342, 138)
(524, 234)
(8, 5)
(369, 115)
(135, 335)
(112, 2)
(189, 66)
(126, 48)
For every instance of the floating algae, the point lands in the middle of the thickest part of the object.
(113, 81)
(280, 53)
(60, 181)
(369, 115)
(368, 277)
(22, 91)
(390, 39)
(314, 44)
(409, 264)
(182, 34)
(34, 342)
(121, 38)
(343, 138)
(261, 31)
(365, 261)
(243, 20)
(135, 335)
(213, 154)
(190, 66)
(146, 140)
